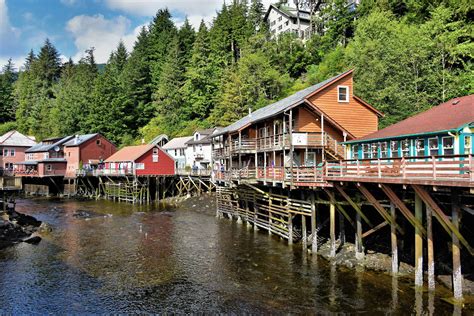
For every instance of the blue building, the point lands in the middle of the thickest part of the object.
(443, 130)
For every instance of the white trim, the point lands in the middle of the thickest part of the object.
(347, 94)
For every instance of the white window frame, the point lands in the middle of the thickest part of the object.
(383, 153)
(392, 143)
(470, 144)
(418, 149)
(355, 152)
(5, 152)
(442, 143)
(139, 166)
(339, 94)
(49, 167)
(434, 148)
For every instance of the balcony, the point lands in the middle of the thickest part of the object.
(198, 156)
(244, 146)
(220, 153)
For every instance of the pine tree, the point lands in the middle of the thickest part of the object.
(202, 80)
(7, 103)
(186, 36)
(256, 13)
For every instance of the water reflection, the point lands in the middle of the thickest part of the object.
(139, 260)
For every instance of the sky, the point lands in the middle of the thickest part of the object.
(76, 25)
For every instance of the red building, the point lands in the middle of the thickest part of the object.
(84, 153)
(12, 150)
(142, 160)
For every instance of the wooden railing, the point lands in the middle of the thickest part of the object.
(333, 145)
(244, 145)
(271, 173)
(195, 172)
(113, 172)
(435, 168)
(220, 153)
(304, 174)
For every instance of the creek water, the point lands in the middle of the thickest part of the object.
(160, 259)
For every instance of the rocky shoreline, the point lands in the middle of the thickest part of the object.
(16, 227)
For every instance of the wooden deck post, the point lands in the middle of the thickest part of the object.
(393, 233)
(457, 274)
(304, 232)
(332, 216)
(429, 242)
(314, 228)
(269, 211)
(418, 243)
(359, 249)
(290, 220)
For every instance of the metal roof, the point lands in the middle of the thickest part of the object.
(158, 139)
(47, 147)
(15, 138)
(130, 153)
(80, 139)
(448, 116)
(277, 107)
(178, 142)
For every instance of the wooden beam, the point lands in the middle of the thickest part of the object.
(457, 274)
(332, 230)
(332, 199)
(378, 207)
(441, 217)
(314, 229)
(418, 243)
(373, 230)
(403, 208)
(393, 233)
(353, 204)
(429, 242)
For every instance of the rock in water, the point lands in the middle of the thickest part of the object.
(33, 240)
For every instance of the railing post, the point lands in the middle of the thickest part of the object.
(404, 167)
(379, 168)
(433, 163)
(471, 169)
(340, 168)
(358, 168)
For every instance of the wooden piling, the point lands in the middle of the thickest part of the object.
(393, 233)
(457, 274)
(359, 248)
(429, 242)
(332, 221)
(314, 228)
(303, 235)
(418, 243)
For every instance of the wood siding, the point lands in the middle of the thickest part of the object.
(164, 166)
(353, 116)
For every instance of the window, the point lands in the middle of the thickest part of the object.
(176, 152)
(434, 147)
(140, 166)
(279, 28)
(49, 167)
(196, 137)
(287, 23)
(355, 151)
(98, 142)
(467, 145)
(155, 155)
(279, 19)
(375, 150)
(310, 159)
(5, 152)
(383, 150)
(448, 145)
(69, 154)
(405, 148)
(342, 94)
(273, 23)
(46, 155)
(394, 148)
(420, 147)
(200, 147)
(194, 148)
(366, 151)
(181, 151)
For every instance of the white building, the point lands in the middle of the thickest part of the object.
(176, 148)
(199, 149)
(283, 19)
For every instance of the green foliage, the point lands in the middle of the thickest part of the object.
(408, 55)
(6, 127)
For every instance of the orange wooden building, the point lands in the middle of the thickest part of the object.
(288, 141)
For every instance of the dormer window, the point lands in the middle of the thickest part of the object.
(196, 137)
(342, 94)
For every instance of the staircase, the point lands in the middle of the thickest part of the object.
(332, 148)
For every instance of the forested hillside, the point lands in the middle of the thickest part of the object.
(407, 55)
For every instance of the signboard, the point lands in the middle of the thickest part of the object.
(300, 139)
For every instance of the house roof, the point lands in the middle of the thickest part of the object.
(78, 140)
(288, 11)
(178, 142)
(452, 115)
(209, 133)
(159, 138)
(130, 153)
(15, 138)
(47, 147)
(279, 106)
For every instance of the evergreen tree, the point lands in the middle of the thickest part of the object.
(201, 83)
(186, 36)
(7, 103)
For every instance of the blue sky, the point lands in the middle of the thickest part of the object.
(75, 25)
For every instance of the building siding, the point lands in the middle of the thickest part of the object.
(356, 118)
(164, 166)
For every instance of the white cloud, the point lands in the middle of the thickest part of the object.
(6, 29)
(150, 7)
(101, 33)
(18, 62)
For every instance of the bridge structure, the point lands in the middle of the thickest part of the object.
(425, 201)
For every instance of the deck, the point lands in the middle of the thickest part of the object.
(455, 170)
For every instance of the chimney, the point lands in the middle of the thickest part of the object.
(250, 111)
(143, 141)
(76, 139)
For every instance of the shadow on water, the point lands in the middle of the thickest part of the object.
(127, 258)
